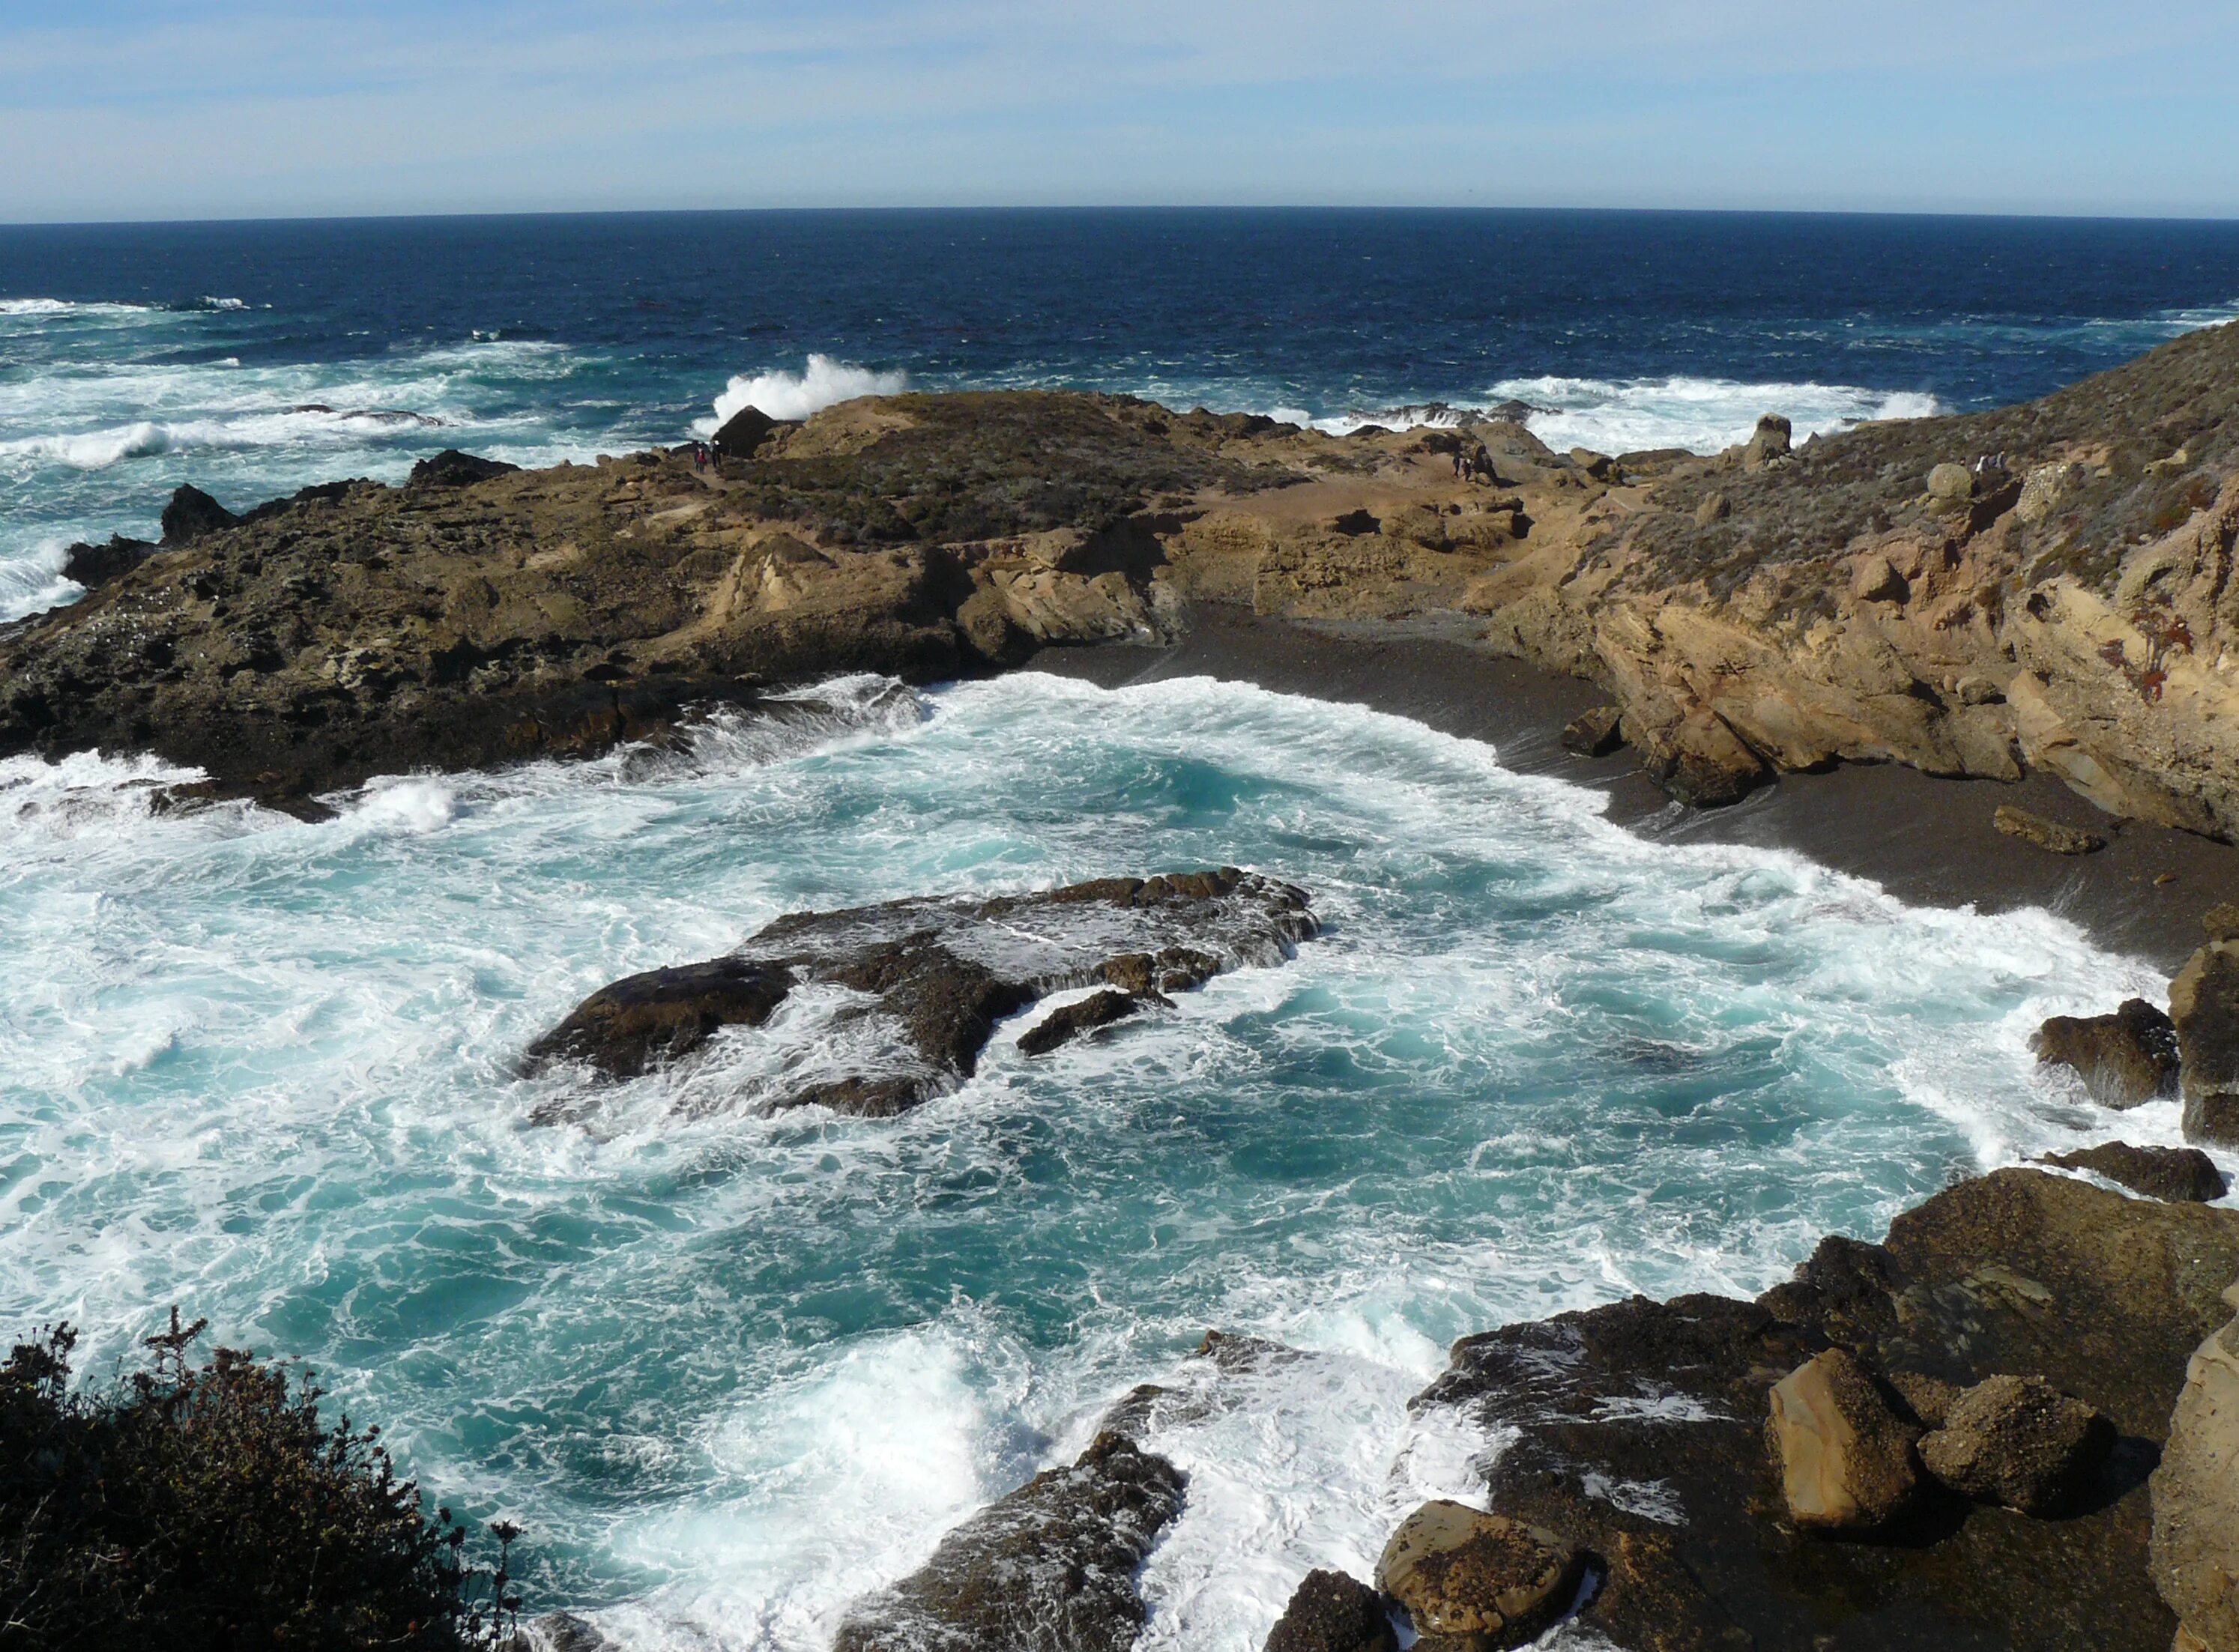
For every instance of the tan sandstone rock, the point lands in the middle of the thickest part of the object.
(2204, 1005)
(2196, 1493)
(1474, 1581)
(1845, 1457)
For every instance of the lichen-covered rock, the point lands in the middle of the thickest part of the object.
(1473, 1581)
(2176, 1173)
(2195, 1494)
(1844, 1456)
(1051, 1568)
(925, 981)
(2125, 1059)
(1332, 1612)
(2019, 1442)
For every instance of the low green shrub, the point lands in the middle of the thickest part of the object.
(208, 1505)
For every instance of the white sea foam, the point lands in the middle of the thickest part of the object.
(826, 381)
(732, 1370)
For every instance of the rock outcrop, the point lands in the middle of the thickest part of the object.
(1331, 1612)
(1051, 1568)
(2204, 1006)
(2125, 1059)
(929, 979)
(1639, 1430)
(2196, 1496)
(2177, 1173)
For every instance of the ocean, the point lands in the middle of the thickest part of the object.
(730, 1370)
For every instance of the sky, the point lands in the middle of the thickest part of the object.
(198, 109)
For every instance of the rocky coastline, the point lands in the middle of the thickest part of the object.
(2008, 1423)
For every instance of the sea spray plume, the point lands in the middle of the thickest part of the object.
(825, 382)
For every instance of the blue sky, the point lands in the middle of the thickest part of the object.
(130, 109)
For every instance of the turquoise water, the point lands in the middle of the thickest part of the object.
(730, 1370)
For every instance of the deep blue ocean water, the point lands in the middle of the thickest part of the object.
(731, 1371)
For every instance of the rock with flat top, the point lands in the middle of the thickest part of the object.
(2125, 1059)
(2049, 835)
(1332, 1612)
(1478, 1582)
(2180, 1174)
(2021, 1442)
(1844, 1456)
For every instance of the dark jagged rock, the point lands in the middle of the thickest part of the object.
(451, 468)
(1639, 1429)
(193, 514)
(1051, 1568)
(2125, 1059)
(2179, 1174)
(2019, 1442)
(91, 565)
(937, 975)
(1332, 1612)
(644, 1020)
(1071, 1021)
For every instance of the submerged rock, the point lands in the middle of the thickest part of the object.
(2125, 1059)
(1051, 1568)
(932, 977)
(1061, 1027)
(2176, 1173)
(1844, 1455)
(1332, 1612)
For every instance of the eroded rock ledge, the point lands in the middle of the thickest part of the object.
(925, 981)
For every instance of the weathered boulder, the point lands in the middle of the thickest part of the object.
(452, 468)
(1474, 1581)
(2204, 1006)
(2125, 1059)
(1769, 443)
(1051, 1568)
(932, 978)
(2049, 835)
(1715, 508)
(2180, 1174)
(1693, 753)
(1845, 1457)
(2196, 1496)
(1951, 484)
(1874, 580)
(2019, 1442)
(1599, 465)
(192, 514)
(1074, 1020)
(1596, 732)
(1332, 1612)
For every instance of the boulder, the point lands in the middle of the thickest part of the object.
(2019, 1443)
(1693, 754)
(1599, 465)
(1951, 484)
(192, 514)
(451, 468)
(932, 977)
(1873, 580)
(1478, 1582)
(1770, 442)
(1077, 1020)
(1332, 1612)
(2178, 1174)
(1594, 734)
(1715, 508)
(745, 431)
(2196, 1496)
(2125, 1059)
(1844, 1453)
(2204, 1006)
(2049, 835)
(1051, 1568)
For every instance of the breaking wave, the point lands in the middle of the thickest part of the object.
(824, 383)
